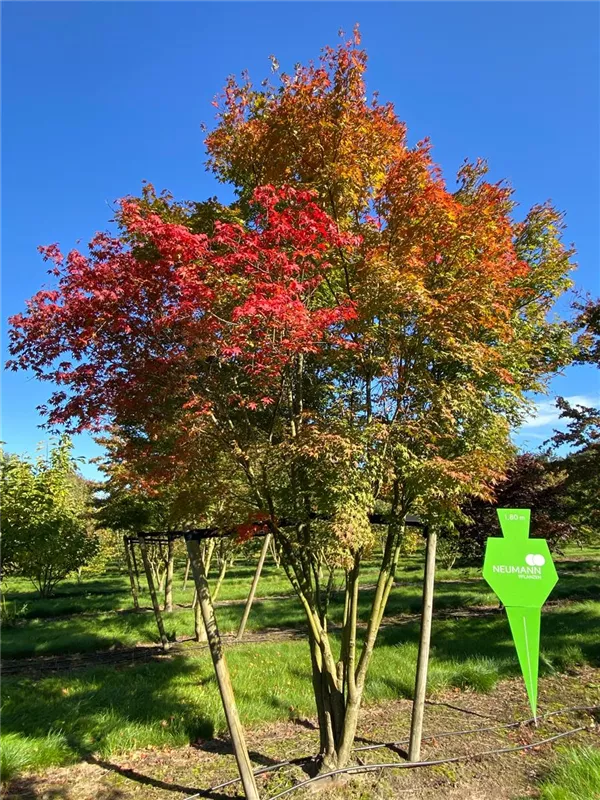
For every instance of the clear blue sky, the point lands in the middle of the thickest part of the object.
(98, 96)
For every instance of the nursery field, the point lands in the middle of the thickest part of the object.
(93, 708)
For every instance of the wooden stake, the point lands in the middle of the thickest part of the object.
(134, 593)
(135, 566)
(416, 727)
(169, 580)
(222, 672)
(250, 600)
(199, 629)
(153, 595)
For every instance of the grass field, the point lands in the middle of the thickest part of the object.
(98, 614)
(113, 710)
(575, 775)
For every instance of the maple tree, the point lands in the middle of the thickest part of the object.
(350, 337)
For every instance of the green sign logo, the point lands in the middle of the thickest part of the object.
(521, 573)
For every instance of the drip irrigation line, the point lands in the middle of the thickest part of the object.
(459, 708)
(441, 735)
(400, 765)
(492, 728)
(415, 764)
(261, 771)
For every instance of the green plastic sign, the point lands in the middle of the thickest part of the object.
(521, 573)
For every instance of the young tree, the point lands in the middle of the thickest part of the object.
(352, 337)
(46, 530)
(13, 474)
(186, 495)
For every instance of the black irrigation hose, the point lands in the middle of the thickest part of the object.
(415, 764)
(261, 771)
(505, 725)
(518, 723)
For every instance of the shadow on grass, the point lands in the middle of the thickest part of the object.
(31, 787)
(112, 710)
(89, 596)
(147, 780)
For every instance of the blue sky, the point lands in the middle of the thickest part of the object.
(98, 96)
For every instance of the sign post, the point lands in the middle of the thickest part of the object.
(521, 573)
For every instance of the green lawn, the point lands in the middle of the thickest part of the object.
(98, 615)
(112, 710)
(576, 775)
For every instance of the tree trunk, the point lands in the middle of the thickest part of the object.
(275, 553)
(169, 574)
(154, 596)
(134, 592)
(339, 686)
(416, 728)
(187, 573)
(222, 673)
(208, 554)
(222, 572)
(250, 600)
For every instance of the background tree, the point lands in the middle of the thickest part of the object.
(46, 528)
(351, 337)
(147, 490)
(531, 481)
(14, 474)
(581, 438)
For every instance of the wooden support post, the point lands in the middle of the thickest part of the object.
(169, 580)
(250, 600)
(153, 595)
(135, 566)
(134, 593)
(218, 656)
(416, 726)
(187, 574)
(199, 629)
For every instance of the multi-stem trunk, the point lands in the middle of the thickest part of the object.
(338, 684)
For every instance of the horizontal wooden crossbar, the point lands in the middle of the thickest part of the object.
(195, 534)
(199, 534)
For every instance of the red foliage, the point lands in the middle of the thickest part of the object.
(142, 315)
(258, 523)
